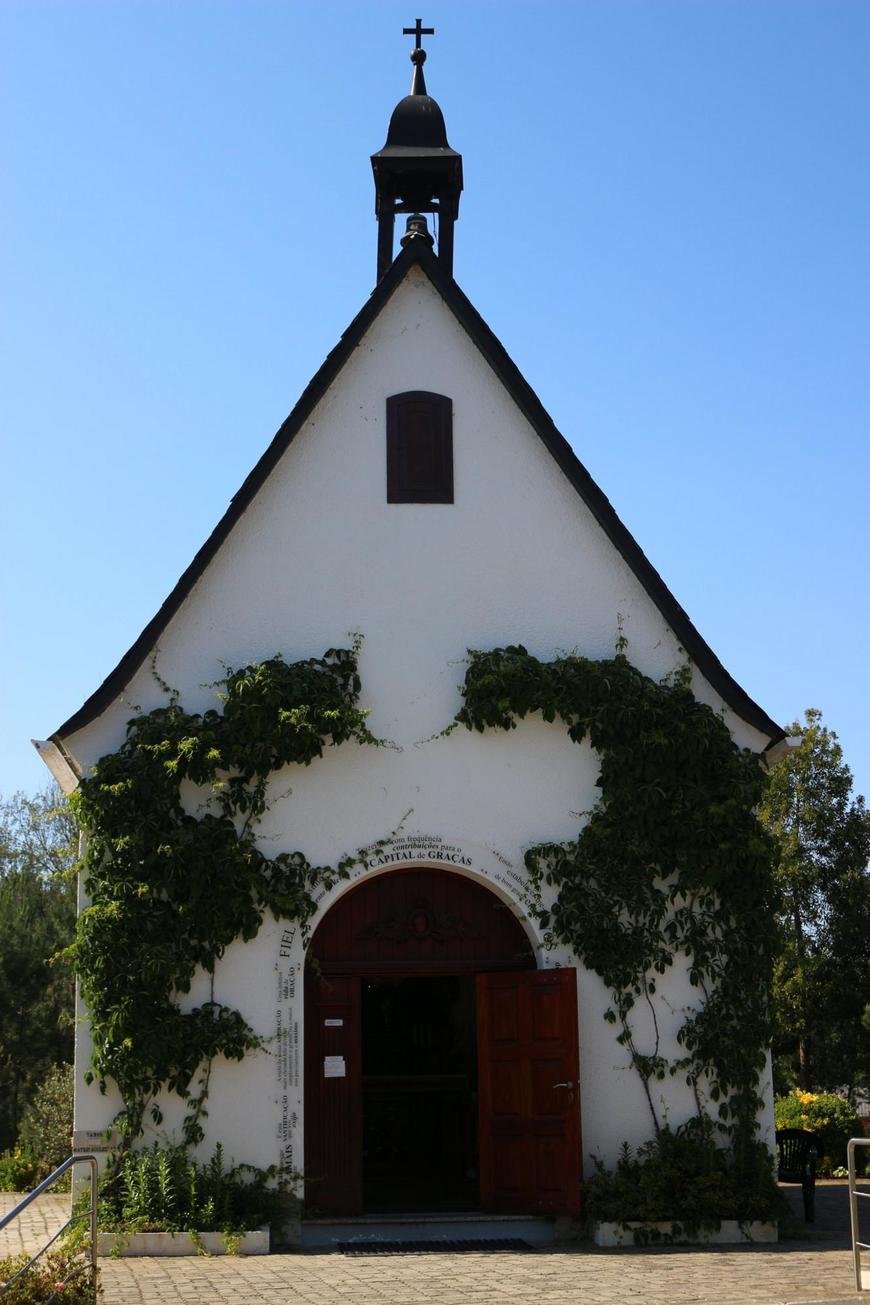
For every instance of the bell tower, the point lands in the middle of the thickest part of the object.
(417, 172)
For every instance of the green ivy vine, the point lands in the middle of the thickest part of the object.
(169, 890)
(671, 862)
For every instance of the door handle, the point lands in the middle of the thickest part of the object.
(567, 1085)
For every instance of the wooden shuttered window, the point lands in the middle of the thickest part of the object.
(419, 448)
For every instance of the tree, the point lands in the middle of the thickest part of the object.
(821, 974)
(38, 842)
(47, 1122)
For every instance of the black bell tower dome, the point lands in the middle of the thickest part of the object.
(417, 172)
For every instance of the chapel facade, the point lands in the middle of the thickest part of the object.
(428, 1044)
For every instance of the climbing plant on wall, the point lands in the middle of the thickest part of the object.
(170, 890)
(671, 863)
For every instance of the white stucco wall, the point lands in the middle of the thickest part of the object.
(320, 554)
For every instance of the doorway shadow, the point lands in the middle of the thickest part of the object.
(419, 1089)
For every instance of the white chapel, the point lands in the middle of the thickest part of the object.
(427, 1043)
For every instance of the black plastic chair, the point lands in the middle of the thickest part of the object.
(796, 1163)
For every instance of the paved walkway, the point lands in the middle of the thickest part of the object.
(815, 1268)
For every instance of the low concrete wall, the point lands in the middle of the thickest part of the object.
(181, 1243)
(671, 1232)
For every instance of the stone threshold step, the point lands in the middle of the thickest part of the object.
(422, 1216)
(461, 1246)
(429, 1227)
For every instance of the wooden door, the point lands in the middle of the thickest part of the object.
(333, 1095)
(528, 1079)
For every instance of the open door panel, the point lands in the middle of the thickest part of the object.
(528, 1078)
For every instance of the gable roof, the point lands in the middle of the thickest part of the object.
(418, 253)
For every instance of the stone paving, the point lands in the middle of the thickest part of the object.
(33, 1228)
(816, 1268)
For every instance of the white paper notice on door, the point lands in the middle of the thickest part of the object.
(334, 1067)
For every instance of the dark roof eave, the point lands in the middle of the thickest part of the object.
(529, 404)
(423, 152)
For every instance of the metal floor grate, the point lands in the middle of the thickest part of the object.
(452, 1247)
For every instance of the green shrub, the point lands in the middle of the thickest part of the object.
(47, 1123)
(832, 1119)
(162, 1189)
(45, 1281)
(19, 1171)
(683, 1175)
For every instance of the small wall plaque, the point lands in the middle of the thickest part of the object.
(334, 1067)
(95, 1140)
(333, 1024)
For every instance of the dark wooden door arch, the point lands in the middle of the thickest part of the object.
(412, 922)
(420, 920)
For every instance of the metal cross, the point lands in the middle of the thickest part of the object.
(418, 31)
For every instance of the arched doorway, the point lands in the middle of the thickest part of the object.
(431, 1040)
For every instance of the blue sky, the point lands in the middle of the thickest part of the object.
(666, 220)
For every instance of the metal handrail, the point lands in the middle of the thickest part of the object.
(31, 1196)
(854, 1197)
